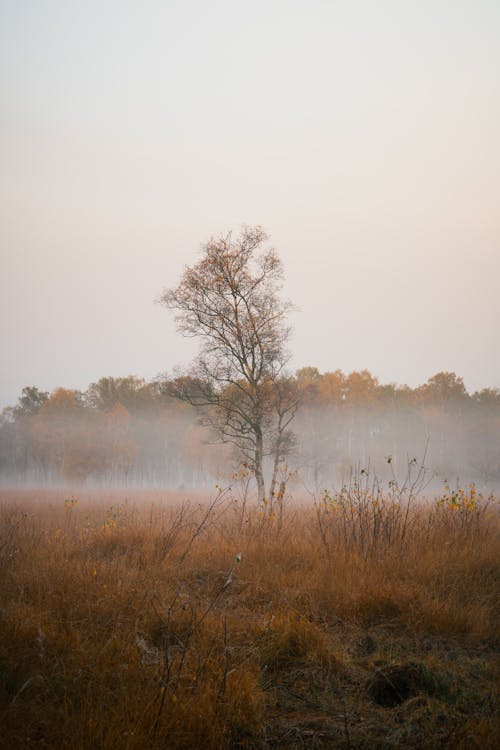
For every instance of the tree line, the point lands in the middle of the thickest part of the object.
(132, 431)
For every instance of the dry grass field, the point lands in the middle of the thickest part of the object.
(151, 622)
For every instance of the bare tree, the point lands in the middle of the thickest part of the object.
(230, 301)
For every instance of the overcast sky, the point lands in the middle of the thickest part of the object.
(364, 136)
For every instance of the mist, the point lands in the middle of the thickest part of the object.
(126, 432)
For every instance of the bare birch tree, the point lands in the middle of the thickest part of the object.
(230, 301)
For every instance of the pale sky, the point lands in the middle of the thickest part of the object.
(364, 136)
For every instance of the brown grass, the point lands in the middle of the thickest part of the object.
(133, 625)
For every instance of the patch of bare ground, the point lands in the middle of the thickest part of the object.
(153, 624)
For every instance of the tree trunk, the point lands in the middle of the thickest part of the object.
(274, 479)
(259, 472)
(281, 500)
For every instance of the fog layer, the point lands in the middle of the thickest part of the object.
(128, 432)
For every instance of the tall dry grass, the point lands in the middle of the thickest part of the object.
(150, 623)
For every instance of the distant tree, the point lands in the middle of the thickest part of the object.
(308, 374)
(30, 401)
(66, 441)
(120, 445)
(443, 388)
(230, 301)
(361, 388)
(17, 444)
(132, 392)
(332, 387)
(488, 397)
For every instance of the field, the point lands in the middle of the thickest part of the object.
(148, 621)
